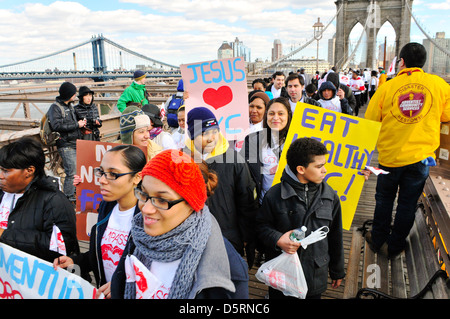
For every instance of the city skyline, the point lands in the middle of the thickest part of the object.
(183, 31)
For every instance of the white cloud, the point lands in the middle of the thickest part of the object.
(445, 5)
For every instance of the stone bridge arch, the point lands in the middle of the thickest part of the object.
(354, 11)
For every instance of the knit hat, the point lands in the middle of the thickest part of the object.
(154, 113)
(67, 90)
(139, 75)
(180, 86)
(199, 120)
(179, 171)
(132, 118)
(260, 94)
(83, 91)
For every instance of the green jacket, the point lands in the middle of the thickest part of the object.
(134, 93)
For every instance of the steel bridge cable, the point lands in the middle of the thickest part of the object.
(446, 52)
(303, 46)
(139, 55)
(47, 55)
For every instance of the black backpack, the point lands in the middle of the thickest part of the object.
(172, 108)
(49, 137)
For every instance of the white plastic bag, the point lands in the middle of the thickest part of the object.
(284, 273)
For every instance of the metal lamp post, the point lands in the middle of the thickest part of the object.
(318, 28)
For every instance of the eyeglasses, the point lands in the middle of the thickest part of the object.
(156, 201)
(110, 175)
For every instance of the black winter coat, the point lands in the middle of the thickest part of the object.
(234, 202)
(30, 224)
(92, 259)
(66, 125)
(284, 209)
(90, 113)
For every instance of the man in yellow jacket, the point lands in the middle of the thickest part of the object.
(410, 107)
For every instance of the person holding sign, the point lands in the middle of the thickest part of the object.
(118, 176)
(302, 198)
(176, 249)
(261, 150)
(234, 203)
(410, 108)
(31, 202)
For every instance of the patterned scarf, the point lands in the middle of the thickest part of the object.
(187, 242)
(154, 132)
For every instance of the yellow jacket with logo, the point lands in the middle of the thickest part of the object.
(410, 107)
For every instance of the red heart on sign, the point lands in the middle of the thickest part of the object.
(218, 98)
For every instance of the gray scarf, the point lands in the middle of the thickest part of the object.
(187, 242)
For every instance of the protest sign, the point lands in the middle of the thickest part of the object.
(350, 142)
(221, 86)
(23, 276)
(89, 156)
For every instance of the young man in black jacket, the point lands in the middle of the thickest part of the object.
(302, 198)
(62, 119)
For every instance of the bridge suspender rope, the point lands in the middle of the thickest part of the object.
(48, 55)
(423, 31)
(303, 46)
(350, 57)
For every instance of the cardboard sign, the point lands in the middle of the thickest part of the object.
(89, 156)
(24, 276)
(221, 86)
(350, 142)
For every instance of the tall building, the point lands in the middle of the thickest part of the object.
(437, 61)
(331, 49)
(390, 55)
(225, 51)
(240, 50)
(277, 50)
(233, 50)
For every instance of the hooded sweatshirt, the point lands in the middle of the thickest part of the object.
(333, 103)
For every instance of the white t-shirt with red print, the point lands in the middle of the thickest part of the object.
(115, 239)
(9, 200)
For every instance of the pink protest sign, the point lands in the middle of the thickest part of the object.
(221, 86)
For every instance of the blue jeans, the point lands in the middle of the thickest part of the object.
(409, 181)
(69, 160)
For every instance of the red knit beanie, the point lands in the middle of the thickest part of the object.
(179, 171)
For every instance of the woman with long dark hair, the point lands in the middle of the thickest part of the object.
(262, 149)
(119, 174)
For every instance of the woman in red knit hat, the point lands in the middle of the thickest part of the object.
(176, 249)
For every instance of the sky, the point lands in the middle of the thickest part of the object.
(184, 31)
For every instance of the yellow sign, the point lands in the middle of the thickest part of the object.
(350, 142)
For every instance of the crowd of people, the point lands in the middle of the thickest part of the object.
(196, 211)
